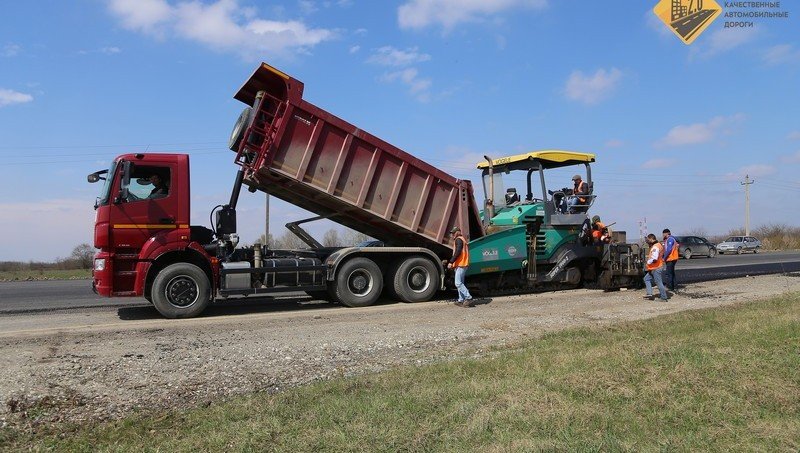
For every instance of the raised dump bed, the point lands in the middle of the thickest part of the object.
(302, 154)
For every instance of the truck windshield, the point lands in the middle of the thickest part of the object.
(105, 192)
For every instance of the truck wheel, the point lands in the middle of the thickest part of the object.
(416, 280)
(238, 129)
(181, 290)
(358, 283)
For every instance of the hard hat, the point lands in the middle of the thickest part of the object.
(576, 177)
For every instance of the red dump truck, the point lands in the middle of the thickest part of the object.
(296, 151)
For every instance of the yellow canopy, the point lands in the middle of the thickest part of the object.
(550, 158)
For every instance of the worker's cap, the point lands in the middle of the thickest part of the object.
(596, 218)
(576, 178)
(454, 229)
(666, 230)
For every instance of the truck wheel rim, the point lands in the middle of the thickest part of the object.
(360, 282)
(419, 279)
(182, 291)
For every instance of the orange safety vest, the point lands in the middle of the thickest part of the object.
(580, 188)
(463, 259)
(597, 234)
(660, 261)
(673, 254)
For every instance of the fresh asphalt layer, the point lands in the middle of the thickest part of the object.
(49, 295)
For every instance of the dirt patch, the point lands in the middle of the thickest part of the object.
(93, 365)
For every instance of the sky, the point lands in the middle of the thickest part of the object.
(675, 127)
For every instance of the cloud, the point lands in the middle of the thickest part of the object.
(614, 143)
(222, 25)
(794, 135)
(307, 6)
(354, 49)
(721, 41)
(698, 133)
(110, 50)
(141, 15)
(791, 158)
(658, 163)
(655, 24)
(10, 50)
(416, 14)
(418, 86)
(9, 97)
(592, 89)
(389, 56)
(780, 54)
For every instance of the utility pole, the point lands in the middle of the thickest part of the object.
(747, 182)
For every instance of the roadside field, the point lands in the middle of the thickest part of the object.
(51, 274)
(718, 379)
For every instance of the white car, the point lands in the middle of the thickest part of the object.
(739, 244)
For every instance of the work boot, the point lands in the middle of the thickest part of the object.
(459, 303)
(650, 297)
(468, 303)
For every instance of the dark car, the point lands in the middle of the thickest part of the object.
(695, 246)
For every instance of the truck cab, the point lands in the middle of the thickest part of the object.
(142, 223)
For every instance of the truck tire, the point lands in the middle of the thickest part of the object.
(388, 289)
(359, 283)
(181, 290)
(239, 128)
(416, 279)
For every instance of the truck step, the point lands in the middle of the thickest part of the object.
(123, 293)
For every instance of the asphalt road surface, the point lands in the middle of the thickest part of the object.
(41, 296)
(689, 25)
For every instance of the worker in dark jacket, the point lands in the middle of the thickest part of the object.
(460, 262)
(670, 257)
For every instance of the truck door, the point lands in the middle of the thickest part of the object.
(147, 207)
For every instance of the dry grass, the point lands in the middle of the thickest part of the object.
(719, 379)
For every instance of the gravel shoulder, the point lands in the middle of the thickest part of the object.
(92, 365)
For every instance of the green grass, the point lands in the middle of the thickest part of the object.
(52, 274)
(720, 379)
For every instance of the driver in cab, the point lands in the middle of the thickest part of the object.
(160, 187)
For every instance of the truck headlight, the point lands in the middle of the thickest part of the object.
(100, 264)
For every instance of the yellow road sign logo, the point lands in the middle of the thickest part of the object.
(687, 18)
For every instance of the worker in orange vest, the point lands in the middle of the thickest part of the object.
(655, 268)
(671, 247)
(579, 188)
(599, 231)
(460, 262)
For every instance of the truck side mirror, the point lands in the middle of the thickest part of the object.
(125, 182)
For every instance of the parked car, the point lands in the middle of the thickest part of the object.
(739, 244)
(690, 246)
